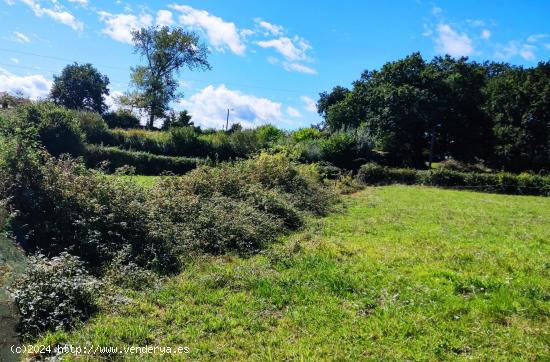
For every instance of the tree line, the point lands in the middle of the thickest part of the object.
(416, 110)
(165, 53)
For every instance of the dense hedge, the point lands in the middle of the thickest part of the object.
(189, 141)
(502, 182)
(144, 163)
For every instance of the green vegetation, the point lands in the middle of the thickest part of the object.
(468, 111)
(121, 252)
(501, 182)
(404, 273)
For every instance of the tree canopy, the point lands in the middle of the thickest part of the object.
(165, 51)
(465, 110)
(81, 87)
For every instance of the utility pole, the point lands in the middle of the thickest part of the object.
(227, 121)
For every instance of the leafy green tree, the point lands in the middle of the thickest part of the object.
(121, 119)
(518, 102)
(81, 87)
(181, 119)
(166, 51)
(327, 100)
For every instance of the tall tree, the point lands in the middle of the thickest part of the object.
(327, 100)
(518, 102)
(81, 87)
(166, 51)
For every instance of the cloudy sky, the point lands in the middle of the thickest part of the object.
(270, 59)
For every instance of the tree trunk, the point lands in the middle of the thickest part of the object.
(151, 122)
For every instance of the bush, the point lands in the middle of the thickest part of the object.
(185, 141)
(121, 119)
(269, 135)
(279, 172)
(214, 224)
(125, 273)
(523, 184)
(374, 174)
(112, 158)
(54, 127)
(94, 127)
(54, 294)
(142, 140)
(66, 207)
(455, 165)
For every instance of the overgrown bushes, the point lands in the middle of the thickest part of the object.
(59, 206)
(56, 128)
(54, 293)
(190, 142)
(506, 183)
(144, 163)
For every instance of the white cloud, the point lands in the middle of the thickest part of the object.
(486, 34)
(536, 37)
(514, 48)
(112, 100)
(271, 28)
(209, 108)
(119, 26)
(164, 18)
(527, 52)
(80, 2)
(56, 14)
(20, 37)
(297, 67)
(220, 34)
(32, 86)
(15, 60)
(293, 50)
(309, 104)
(436, 10)
(272, 60)
(452, 42)
(293, 112)
(547, 46)
(287, 47)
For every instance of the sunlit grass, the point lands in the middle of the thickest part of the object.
(404, 273)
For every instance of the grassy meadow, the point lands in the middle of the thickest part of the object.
(400, 273)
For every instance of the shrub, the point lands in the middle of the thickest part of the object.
(455, 165)
(93, 216)
(125, 273)
(93, 126)
(279, 172)
(185, 141)
(523, 184)
(142, 140)
(244, 143)
(373, 174)
(54, 294)
(214, 224)
(56, 128)
(269, 135)
(305, 134)
(144, 163)
(121, 119)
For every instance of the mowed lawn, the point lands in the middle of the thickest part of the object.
(401, 273)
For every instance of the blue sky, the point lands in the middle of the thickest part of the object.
(270, 59)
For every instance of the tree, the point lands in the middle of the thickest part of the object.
(518, 102)
(81, 87)
(8, 100)
(121, 119)
(181, 119)
(326, 100)
(166, 52)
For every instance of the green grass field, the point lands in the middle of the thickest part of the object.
(402, 273)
